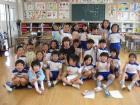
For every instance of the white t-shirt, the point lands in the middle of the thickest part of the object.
(116, 38)
(54, 66)
(63, 34)
(132, 68)
(96, 38)
(102, 67)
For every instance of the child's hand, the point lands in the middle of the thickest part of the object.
(73, 79)
(109, 60)
(34, 80)
(59, 77)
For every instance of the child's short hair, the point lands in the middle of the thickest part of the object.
(45, 44)
(57, 44)
(65, 39)
(55, 53)
(39, 52)
(35, 63)
(116, 51)
(133, 54)
(115, 25)
(90, 41)
(74, 57)
(20, 61)
(18, 47)
(102, 41)
(87, 57)
(104, 54)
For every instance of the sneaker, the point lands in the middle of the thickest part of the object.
(55, 82)
(106, 91)
(129, 87)
(64, 84)
(29, 87)
(49, 84)
(98, 89)
(123, 86)
(8, 87)
(76, 86)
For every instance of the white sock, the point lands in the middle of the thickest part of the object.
(42, 85)
(37, 88)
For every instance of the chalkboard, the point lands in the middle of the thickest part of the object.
(88, 12)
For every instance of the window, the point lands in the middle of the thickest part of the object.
(2, 12)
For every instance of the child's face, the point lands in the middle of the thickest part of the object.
(88, 61)
(55, 57)
(61, 56)
(45, 48)
(76, 44)
(89, 45)
(84, 28)
(30, 47)
(103, 45)
(103, 58)
(113, 54)
(105, 24)
(53, 45)
(55, 27)
(132, 59)
(115, 28)
(66, 44)
(66, 28)
(95, 31)
(39, 56)
(71, 62)
(20, 51)
(19, 66)
(36, 68)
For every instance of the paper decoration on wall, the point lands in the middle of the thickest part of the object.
(64, 11)
(29, 6)
(135, 11)
(40, 6)
(51, 6)
(123, 7)
(112, 9)
(122, 15)
(51, 14)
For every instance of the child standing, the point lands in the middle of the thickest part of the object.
(103, 69)
(45, 50)
(54, 68)
(87, 68)
(115, 38)
(130, 72)
(73, 72)
(36, 76)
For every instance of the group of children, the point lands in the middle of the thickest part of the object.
(79, 56)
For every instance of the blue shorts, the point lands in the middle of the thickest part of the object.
(54, 75)
(104, 74)
(116, 46)
(130, 75)
(83, 45)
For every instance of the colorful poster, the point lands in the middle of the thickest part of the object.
(64, 10)
(123, 7)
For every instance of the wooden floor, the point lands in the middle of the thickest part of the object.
(60, 95)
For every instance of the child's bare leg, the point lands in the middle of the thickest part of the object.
(66, 81)
(99, 79)
(23, 81)
(78, 81)
(134, 79)
(111, 78)
(48, 75)
(42, 85)
(16, 81)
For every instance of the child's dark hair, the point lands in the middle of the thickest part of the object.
(102, 41)
(108, 28)
(104, 54)
(20, 61)
(55, 53)
(76, 41)
(65, 39)
(90, 41)
(87, 57)
(115, 25)
(116, 51)
(74, 57)
(35, 63)
(18, 47)
(133, 54)
(46, 44)
(39, 52)
(57, 44)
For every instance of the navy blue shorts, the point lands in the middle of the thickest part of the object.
(130, 75)
(83, 45)
(116, 46)
(54, 75)
(104, 74)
